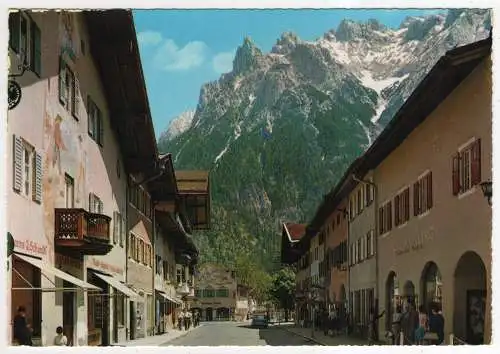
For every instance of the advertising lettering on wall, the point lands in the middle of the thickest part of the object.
(414, 245)
(106, 266)
(30, 247)
(68, 261)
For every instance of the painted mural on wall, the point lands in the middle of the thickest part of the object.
(64, 155)
(68, 35)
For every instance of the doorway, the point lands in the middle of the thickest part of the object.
(132, 320)
(469, 315)
(209, 314)
(68, 313)
(116, 298)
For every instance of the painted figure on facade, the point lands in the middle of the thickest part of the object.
(58, 143)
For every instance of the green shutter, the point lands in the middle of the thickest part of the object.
(14, 30)
(18, 158)
(62, 82)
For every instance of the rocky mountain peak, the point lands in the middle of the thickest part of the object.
(178, 125)
(286, 43)
(420, 27)
(247, 56)
(318, 102)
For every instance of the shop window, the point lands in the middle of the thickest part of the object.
(120, 310)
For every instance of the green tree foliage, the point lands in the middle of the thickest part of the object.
(282, 289)
(254, 276)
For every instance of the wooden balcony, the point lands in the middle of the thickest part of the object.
(78, 231)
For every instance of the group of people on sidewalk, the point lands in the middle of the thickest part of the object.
(186, 319)
(23, 331)
(425, 326)
(418, 327)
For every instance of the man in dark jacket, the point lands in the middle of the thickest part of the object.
(22, 332)
(436, 324)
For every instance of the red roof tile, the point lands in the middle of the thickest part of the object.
(296, 231)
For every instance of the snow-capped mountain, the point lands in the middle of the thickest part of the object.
(178, 125)
(279, 130)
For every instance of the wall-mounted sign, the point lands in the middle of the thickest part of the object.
(14, 94)
(10, 244)
(414, 245)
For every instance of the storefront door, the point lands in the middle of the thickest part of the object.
(68, 313)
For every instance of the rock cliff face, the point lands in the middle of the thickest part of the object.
(280, 129)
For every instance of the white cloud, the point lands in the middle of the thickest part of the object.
(149, 38)
(223, 62)
(170, 57)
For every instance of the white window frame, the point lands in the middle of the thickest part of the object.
(27, 169)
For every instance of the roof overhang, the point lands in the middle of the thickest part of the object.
(291, 249)
(113, 45)
(194, 193)
(164, 187)
(174, 230)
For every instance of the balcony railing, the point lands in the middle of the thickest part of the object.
(77, 228)
(182, 289)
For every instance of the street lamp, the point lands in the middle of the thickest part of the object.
(487, 188)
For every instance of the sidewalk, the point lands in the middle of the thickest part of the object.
(157, 340)
(320, 338)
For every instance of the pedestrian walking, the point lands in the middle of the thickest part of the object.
(396, 325)
(180, 321)
(373, 325)
(422, 326)
(436, 324)
(22, 330)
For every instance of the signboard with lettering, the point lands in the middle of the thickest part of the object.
(413, 245)
(30, 247)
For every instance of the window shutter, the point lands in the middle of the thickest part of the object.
(62, 82)
(131, 246)
(389, 216)
(476, 163)
(456, 174)
(123, 232)
(100, 128)
(429, 191)
(116, 224)
(415, 198)
(37, 178)
(91, 203)
(14, 30)
(381, 221)
(372, 241)
(397, 200)
(90, 117)
(75, 108)
(18, 160)
(36, 49)
(407, 204)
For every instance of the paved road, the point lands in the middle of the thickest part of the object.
(231, 333)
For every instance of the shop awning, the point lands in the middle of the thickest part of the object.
(171, 299)
(47, 268)
(120, 287)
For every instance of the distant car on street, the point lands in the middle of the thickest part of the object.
(259, 321)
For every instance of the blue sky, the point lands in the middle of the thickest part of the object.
(182, 49)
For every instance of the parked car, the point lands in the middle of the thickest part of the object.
(259, 321)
